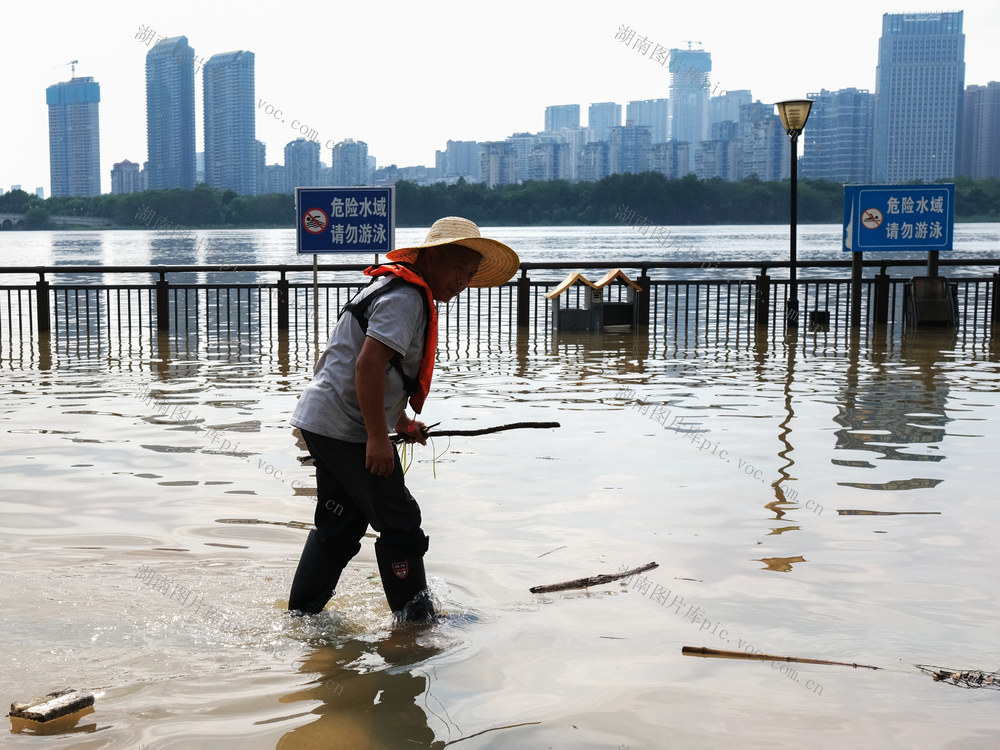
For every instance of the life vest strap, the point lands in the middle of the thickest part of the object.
(359, 309)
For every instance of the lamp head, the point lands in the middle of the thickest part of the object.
(794, 114)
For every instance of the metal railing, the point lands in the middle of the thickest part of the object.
(680, 301)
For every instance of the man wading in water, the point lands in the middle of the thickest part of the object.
(381, 351)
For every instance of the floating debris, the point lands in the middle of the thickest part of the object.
(289, 524)
(971, 678)
(716, 653)
(849, 512)
(53, 705)
(582, 583)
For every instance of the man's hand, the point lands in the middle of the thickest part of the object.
(380, 456)
(411, 430)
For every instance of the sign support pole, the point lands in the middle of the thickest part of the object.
(315, 309)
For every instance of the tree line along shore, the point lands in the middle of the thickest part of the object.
(648, 197)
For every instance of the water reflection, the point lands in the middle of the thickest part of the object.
(371, 694)
(785, 454)
(64, 725)
(891, 404)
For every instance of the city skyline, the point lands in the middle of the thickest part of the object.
(406, 101)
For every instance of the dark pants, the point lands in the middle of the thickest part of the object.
(349, 499)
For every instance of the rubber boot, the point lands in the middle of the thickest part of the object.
(315, 579)
(405, 584)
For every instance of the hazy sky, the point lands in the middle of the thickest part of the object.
(406, 76)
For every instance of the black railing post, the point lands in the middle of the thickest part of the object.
(762, 299)
(523, 299)
(882, 297)
(283, 303)
(857, 279)
(995, 308)
(162, 303)
(42, 304)
(642, 302)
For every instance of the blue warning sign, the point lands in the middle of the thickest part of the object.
(345, 220)
(898, 217)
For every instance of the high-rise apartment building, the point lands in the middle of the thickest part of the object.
(629, 149)
(125, 178)
(170, 125)
(274, 179)
(230, 130)
(522, 145)
(461, 159)
(764, 147)
(919, 86)
(653, 114)
(980, 153)
(672, 159)
(302, 165)
(838, 136)
(716, 158)
(350, 163)
(719, 156)
(592, 162)
(726, 107)
(74, 137)
(689, 94)
(260, 165)
(574, 140)
(562, 116)
(601, 117)
(547, 160)
(499, 163)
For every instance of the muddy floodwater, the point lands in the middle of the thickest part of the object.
(823, 501)
(838, 505)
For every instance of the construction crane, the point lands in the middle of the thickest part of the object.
(72, 64)
(690, 42)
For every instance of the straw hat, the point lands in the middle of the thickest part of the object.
(499, 263)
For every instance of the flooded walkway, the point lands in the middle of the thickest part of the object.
(837, 504)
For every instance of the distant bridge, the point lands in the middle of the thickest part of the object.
(16, 221)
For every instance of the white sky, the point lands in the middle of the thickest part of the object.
(406, 76)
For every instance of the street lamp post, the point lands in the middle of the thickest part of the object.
(793, 116)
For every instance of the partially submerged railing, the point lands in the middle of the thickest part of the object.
(684, 300)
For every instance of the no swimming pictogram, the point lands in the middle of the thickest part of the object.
(871, 218)
(315, 220)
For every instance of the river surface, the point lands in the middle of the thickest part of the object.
(831, 502)
(619, 244)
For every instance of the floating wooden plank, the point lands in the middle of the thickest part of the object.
(583, 583)
(53, 705)
(715, 653)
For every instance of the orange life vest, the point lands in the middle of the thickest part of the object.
(417, 388)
